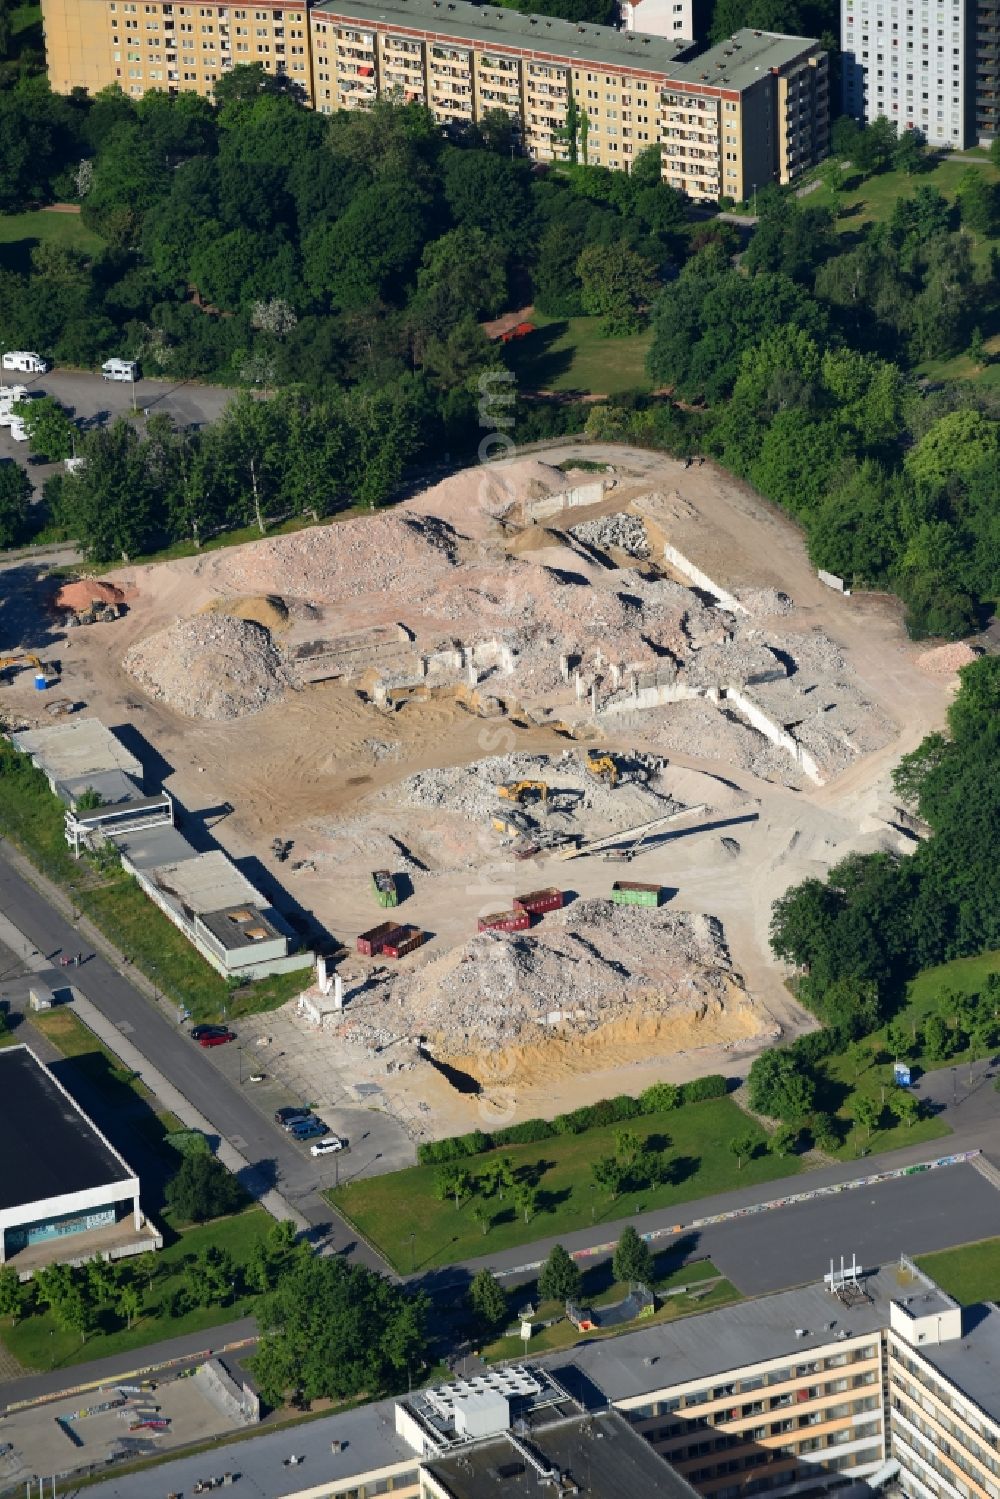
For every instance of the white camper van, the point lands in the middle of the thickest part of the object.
(24, 361)
(120, 369)
(11, 394)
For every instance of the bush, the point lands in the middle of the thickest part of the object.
(568, 1124)
(202, 1189)
(701, 1088)
(660, 1098)
(525, 1133)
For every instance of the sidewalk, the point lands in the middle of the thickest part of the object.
(169, 1096)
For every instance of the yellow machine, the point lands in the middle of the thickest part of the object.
(21, 658)
(602, 765)
(518, 791)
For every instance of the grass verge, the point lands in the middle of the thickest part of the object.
(970, 1273)
(694, 1140)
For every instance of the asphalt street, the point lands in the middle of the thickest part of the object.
(288, 1166)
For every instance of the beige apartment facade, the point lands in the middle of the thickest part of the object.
(142, 45)
(750, 112)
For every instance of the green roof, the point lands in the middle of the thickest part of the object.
(584, 44)
(744, 59)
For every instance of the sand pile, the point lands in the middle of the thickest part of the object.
(586, 967)
(472, 500)
(945, 660)
(268, 610)
(210, 666)
(626, 532)
(87, 591)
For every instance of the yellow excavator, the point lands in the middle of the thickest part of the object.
(602, 765)
(20, 658)
(519, 791)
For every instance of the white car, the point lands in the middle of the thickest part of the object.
(329, 1146)
(24, 360)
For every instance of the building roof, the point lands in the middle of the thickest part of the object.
(50, 1147)
(148, 848)
(206, 882)
(972, 1362)
(491, 23)
(744, 59)
(113, 786)
(239, 927)
(78, 748)
(601, 1453)
(734, 1337)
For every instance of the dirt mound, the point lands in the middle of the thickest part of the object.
(268, 610)
(473, 499)
(945, 660)
(211, 667)
(87, 591)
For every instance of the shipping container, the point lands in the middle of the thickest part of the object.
(405, 939)
(505, 921)
(628, 893)
(373, 941)
(384, 888)
(538, 901)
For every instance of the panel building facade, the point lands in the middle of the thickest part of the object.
(750, 111)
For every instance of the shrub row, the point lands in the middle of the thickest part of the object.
(658, 1099)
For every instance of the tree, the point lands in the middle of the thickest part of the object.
(488, 1301)
(618, 287)
(51, 433)
(860, 1057)
(609, 1174)
(743, 1147)
(75, 1310)
(15, 496)
(560, 1279)
(906, 1108)
(628, 1147)
(147, 1268)
(210, 1275)
(453, 1181)
(867, 1112)
(482, 1215)
(781, 1086)
(335, 1330)
(633, 1259)
(525, 1200)
(785, 1139)
(977, 202)
(938, 1038)
(12, 1293)
(203, 1189)
(898, 1040)
(824, 1132)
(101, 1278)
(128, 1304)
(908, 153)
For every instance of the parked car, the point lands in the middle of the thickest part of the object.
(219, 1039)
(297, 1118)
(329, 1146)
(208, 1030)
(289, 1116)
(308, 1130)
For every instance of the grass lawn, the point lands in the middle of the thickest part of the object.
(695, 1139)
(32, 817)
(970, 1274)
(572, 354)
(38, 1342)
(873, 199)
(21, 232)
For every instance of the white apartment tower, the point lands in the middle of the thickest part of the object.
(912, 61)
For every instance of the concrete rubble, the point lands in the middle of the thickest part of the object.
(211, 666)
(627, 533)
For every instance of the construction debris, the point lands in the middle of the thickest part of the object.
(627, 533)
(945, 660)
(211, 666)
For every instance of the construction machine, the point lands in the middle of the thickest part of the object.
(19, 659)
(514, 824)
(519, 791)
(603, 765)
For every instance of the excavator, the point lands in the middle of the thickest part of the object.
(18, 659)
(603, 765)
(519, 791)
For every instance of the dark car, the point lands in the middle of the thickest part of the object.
(217, 1038)
(208, 1030)
(309, 1130)
(289, 1116)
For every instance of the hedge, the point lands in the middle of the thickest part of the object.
(658, 1099)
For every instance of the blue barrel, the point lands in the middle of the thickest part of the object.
(41, 681)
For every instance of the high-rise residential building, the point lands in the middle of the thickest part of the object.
(987, 69)
(915, 63)
(659, 17)
(752, 110)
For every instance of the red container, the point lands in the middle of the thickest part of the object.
(373, 941)
(505, 921)
(405, 939)
(538, 901)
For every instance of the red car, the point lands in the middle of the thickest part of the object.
(217, 1038)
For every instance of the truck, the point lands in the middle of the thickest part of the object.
(384, 888)
(372, 942)
(630, 893)
(537, 901)
(405, 939)
(506, 921)
(24, 360)
(119, 369)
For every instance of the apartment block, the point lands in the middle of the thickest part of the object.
(915, 63)
(157, 44)
(658, 17)
(988, 70)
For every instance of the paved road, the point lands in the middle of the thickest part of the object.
(188, 1069)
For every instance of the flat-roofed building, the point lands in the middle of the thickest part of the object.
(65, 1192)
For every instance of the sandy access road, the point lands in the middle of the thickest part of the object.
(325, 770)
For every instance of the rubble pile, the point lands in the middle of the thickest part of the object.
(211, 666)
(625, 532)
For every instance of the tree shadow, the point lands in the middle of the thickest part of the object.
(549, 1201)
(683, 1168)
(534, 361)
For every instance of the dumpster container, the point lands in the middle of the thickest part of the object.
(628, 893)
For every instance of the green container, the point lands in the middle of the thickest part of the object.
(384, 888)
(628, 893)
